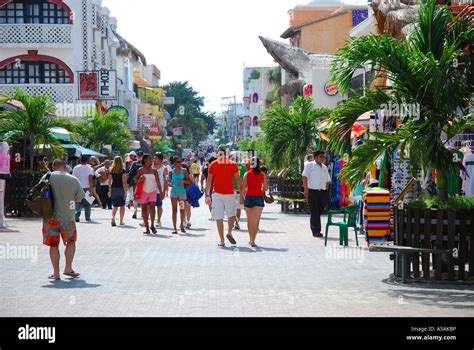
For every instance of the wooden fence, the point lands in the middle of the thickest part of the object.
(17, 190)
(436, 229)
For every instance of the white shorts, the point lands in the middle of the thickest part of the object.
(222, 205)
(237, 202)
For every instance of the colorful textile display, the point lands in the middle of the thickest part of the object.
(377, 215)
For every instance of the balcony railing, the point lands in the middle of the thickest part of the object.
(59, 93)
(39, 35)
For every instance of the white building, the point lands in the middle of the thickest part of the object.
(48, 45)
(45, 43)
(256, 90)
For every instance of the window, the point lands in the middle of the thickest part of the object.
(255, 98)
(34, 72)
(33, 11)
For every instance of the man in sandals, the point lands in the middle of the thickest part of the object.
(222, 174)
(67, 191)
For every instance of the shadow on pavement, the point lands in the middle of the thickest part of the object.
(443, 296)
(190, 235)
(157, 236)
(255, 250)
(70, 284)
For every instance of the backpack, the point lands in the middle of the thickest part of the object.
(40, 199)
(133, 172)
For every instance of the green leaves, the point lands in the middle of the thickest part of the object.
(290, 133)
(429, 69)
(187, 111)
(33, 124)
(98, 130)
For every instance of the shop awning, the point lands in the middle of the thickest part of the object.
(168, 149)
(358, 130)
(60, 134)
(78, 151)
(365, 117)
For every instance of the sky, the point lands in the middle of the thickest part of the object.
(206, 42)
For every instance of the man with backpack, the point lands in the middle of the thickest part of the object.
(66, 192)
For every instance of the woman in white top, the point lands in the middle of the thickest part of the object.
(149, 192)
(162, 174)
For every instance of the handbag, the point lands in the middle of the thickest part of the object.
(139, 189)
(268, 199)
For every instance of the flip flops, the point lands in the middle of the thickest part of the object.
(72, 274)
(231, 239)
(54, 278)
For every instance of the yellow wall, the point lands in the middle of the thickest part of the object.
(300, 16)
(328, 35)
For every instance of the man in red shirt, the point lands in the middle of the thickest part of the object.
(222, 173)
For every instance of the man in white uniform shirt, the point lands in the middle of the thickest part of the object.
(85, 174)
(316, 181)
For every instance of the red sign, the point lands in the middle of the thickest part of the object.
(154, 129)
(308, 90)
(88, 86)
(178, 131)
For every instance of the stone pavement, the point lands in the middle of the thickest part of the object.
(125, 273)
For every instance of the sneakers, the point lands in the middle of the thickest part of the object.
(158, 224)
(188, 225)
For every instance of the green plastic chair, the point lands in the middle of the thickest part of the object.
(350, 214)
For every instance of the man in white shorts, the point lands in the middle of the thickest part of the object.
(222, 173)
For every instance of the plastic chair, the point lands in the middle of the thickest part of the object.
(350, 215)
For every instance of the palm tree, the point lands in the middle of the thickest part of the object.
(33, 124)
(430, 70)
(98, 129)
(290, 133)
(193, 126)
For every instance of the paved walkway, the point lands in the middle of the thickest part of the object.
(125, 273)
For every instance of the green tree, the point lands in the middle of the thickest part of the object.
(98, 129)
(429, 70)
(290, 133)
(31, 126)
(274, 76)
(189, 102)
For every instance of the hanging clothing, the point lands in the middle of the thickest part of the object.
(454, 177)
(468, 163)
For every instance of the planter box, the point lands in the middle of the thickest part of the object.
(292, 196)
(436, 229)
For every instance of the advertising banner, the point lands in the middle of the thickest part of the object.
(98, 85)
(88, 86)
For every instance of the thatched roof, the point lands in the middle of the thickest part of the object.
(129, 50)
(293, 87)
(294, 59)
(395, 17)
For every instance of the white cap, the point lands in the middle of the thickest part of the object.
(133, 153)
